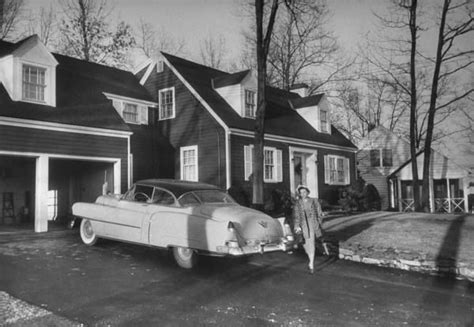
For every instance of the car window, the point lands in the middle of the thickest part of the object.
(142, 193)
(213, 196)
(162, 197)
(188, 199)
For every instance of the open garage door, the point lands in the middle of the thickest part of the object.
(17, 186)
(73, 181)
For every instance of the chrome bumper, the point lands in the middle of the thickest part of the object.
(285, 246)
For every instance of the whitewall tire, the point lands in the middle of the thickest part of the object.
(185, 257)
(88, 235)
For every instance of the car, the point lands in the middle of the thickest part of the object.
(188, 218)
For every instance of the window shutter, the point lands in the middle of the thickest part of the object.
(247, 161)
(326, 170)
(347, 172)
(143, 114)
(278, 166)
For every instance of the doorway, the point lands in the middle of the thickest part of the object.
(304, 170)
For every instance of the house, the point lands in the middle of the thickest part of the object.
(384, 160)
(70, 130)
(208, 117)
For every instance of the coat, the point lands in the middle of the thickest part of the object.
(310, 225)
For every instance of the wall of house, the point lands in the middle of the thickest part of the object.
(192, 125)
(381, 138)
(331, 193)
(32, 140)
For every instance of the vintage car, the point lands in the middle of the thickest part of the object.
(188, 218)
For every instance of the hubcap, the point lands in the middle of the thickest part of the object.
(185, 252)
(88, 229)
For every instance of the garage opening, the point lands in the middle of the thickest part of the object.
(73, 181)
(17, 186)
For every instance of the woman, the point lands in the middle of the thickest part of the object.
(307, 220)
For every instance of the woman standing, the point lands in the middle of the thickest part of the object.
(307, 220)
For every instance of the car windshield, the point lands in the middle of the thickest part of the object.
(205, 196)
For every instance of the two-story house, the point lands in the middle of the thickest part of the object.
(208, 117)
(67, 130)
(384, 160)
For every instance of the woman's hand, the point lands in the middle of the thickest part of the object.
(298, 230)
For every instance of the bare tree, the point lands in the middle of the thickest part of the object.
(10, 15)
(86, 34)
(263, 37)
(151, 40)
(43, 24)
(456, 24)
(213, 50)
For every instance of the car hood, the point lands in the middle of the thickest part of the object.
(249, 223)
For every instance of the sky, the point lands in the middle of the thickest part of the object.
(194, 20)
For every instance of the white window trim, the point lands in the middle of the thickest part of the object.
(381, 158)
(142, 111)
(174, 103)
(181, 152)
(245, 104)
(46, 89)
(327, 173)
(277, 163)
(328, 122)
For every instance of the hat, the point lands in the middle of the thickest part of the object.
(302, 186)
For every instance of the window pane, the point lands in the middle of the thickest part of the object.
(189, 162)
(249, 104)
(130, 112)
(387, 157)
(375, 158)
(166, 104)
(268, 164)
(33, 83)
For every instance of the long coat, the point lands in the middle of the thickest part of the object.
(311, 224)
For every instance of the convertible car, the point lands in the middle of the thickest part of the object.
(188, 218)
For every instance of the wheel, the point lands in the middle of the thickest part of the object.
(185, 257)
(87, 233)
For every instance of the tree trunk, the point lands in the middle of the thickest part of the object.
(263, 44)
(413, 105)
(432, 111)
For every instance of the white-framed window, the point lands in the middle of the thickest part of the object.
(166, 103)
(381, 158)
(130, 112)
(324, 120)
(33, 83)
(336, 170)
(272, 164)
(250, 107)
(189, 163)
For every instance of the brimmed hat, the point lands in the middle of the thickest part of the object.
(302, 186)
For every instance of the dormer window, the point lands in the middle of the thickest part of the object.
(323, 115)
(249, 111)
(130, 113)
(33, 83)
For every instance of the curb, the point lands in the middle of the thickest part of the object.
(446, 267)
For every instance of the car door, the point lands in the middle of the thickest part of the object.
(133, 211)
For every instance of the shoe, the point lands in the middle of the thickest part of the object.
(311, 270)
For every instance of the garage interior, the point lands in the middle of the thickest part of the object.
(69, 181)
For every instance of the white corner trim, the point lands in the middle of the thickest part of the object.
(29, 123)
(147, 73)
(142, 65)
(112, 96)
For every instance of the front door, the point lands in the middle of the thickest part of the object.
(304, 170)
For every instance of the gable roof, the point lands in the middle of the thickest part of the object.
(230, 79)
(79, 94)
(280, 118)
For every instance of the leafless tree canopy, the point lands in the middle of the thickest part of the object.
(10, 15)
(152, 39)
(213, 50)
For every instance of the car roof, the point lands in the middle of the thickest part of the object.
(177, 187)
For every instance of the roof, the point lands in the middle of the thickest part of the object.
(230, 79)
(79, 94)
(280, 118)
(309, 101)
(177, 187)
